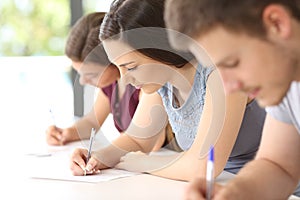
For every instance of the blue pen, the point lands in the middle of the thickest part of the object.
(210, 174)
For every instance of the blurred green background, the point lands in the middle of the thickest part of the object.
(38, 28)
(35, 76)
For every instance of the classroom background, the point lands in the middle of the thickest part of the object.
(35, 78)
(35, 75)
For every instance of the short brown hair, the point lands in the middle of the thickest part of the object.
(83, 42)
(196, 17)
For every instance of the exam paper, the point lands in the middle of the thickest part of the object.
(41, 149)
(56, 167)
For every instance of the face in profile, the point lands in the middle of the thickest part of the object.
(95, 74)
(135, 68)
(262, 69)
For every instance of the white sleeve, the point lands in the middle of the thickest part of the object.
(280, 112)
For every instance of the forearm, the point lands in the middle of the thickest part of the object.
(184, 167)
(195, 164)
(173, 167)
(110, 155)
(262, 179)
(84, 125)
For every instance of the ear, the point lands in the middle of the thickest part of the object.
(277, 21)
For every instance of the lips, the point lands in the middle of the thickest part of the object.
(253, 93)
(138, 86)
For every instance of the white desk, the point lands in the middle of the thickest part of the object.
(16, 184)
(131, 188)
(138, 187)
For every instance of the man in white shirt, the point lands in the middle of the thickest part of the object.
(256, 46)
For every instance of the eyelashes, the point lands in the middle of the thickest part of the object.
(132, 69)
(91, 76)
(232, 64)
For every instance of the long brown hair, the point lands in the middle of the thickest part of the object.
(83, 42)
(140, 24)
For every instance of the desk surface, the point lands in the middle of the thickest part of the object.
(146, 187)
(17, 184)
(136, 187)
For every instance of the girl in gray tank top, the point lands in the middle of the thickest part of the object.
(198, 110)
(185, 119)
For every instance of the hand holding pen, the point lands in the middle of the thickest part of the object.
(89, 149)
(202, 188)
(54, 135)
(59, 136)
(82, 163)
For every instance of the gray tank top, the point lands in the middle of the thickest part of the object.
(185, 119)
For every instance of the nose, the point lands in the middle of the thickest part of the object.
(126, 78)
(232, 86)
(82, 80)
(230, 83)
(122, 71)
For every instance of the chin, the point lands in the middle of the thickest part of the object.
(147, 91)
(273, 96)
(101, 85)
(264, 102)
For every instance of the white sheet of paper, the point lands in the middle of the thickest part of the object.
(56, 166)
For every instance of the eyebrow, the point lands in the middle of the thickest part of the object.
(219, 64)
(91, 73)
(124, 64)
(222, 62)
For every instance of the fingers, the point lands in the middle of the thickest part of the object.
(77, 164)
(221, 193)
(53, 135)
(122, 159)
(92, 172)
(68, 135)
(120, 165)
(193, 195)
(92, 165)
(196, 190)
(58, 136)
